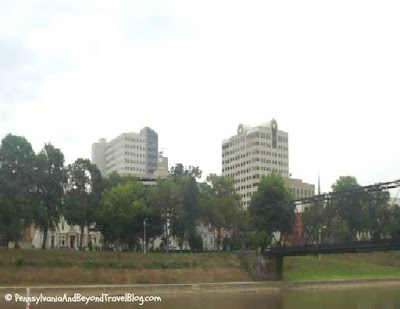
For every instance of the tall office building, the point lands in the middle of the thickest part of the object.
(253, 152)
(257, 151)
(128, 154)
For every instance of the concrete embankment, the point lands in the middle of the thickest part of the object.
(179, 289)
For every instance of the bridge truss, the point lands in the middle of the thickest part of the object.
(326, 199)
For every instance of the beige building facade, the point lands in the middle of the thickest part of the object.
(162, 168)
(252, 153)
(128, 154)
(299, 188)
(257, 151)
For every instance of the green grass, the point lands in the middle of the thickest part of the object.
(334, 266)
(119, 260)
(27, 267)
(342, 266)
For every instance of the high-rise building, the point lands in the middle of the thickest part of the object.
(257, 151)
(253, 152)
(128, 154)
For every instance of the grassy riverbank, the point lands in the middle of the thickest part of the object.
(25, 267)
(343, 266)
(74, 267)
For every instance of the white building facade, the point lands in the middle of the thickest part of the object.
(66, 236)
(128, 154)
(253, 152)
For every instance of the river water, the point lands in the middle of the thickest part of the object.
(350, 298)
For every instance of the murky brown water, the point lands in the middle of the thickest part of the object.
(353, 298)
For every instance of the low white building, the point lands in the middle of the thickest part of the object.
(66, 236)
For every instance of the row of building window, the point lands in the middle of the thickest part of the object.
(134, 168)
(237, 141)
(257, 168)
(282, 139)
(134, 154)
(135, 161)
(250, 162)
(134, 140)
(238, 189)
(247, 194)
(302, 192)
(135, 147)
(255, 152)
(232, 152)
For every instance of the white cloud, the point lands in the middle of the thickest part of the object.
(328, 72)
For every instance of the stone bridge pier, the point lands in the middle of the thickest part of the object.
(263, 267)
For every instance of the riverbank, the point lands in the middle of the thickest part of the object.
(37, 267)
(371, 265)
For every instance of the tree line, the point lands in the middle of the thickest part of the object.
(359, 214)
(39, 188)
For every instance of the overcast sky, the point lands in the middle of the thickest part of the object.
(73, 71)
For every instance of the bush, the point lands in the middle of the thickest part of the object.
(256, 240)
(19, 261)
(89, 263)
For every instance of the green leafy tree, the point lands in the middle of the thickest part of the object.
(314, 219)
(349, 207)
(17, 166)
(394, 222)
(114, 179)
(185, 225)
(83, 195)
(50, 180)
(379, 214)
(167, 198)
(179, 170)
(271, 207)
(122, 213)
(220, 204)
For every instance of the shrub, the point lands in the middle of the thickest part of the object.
(89, 263)
(19, 261)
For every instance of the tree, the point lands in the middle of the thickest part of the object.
(50, 181)
(122, 212)
(84, 188)
(185, 225)
(114, 179)
(271, 209)
(349, 206)
(394, 222)
(17, 165)
(167, 198)
(179, 170)
(220, 204)
(314, 219)
(378, 213)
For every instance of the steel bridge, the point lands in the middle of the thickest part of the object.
(315, 248)
(343, 247)
(328, 197)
